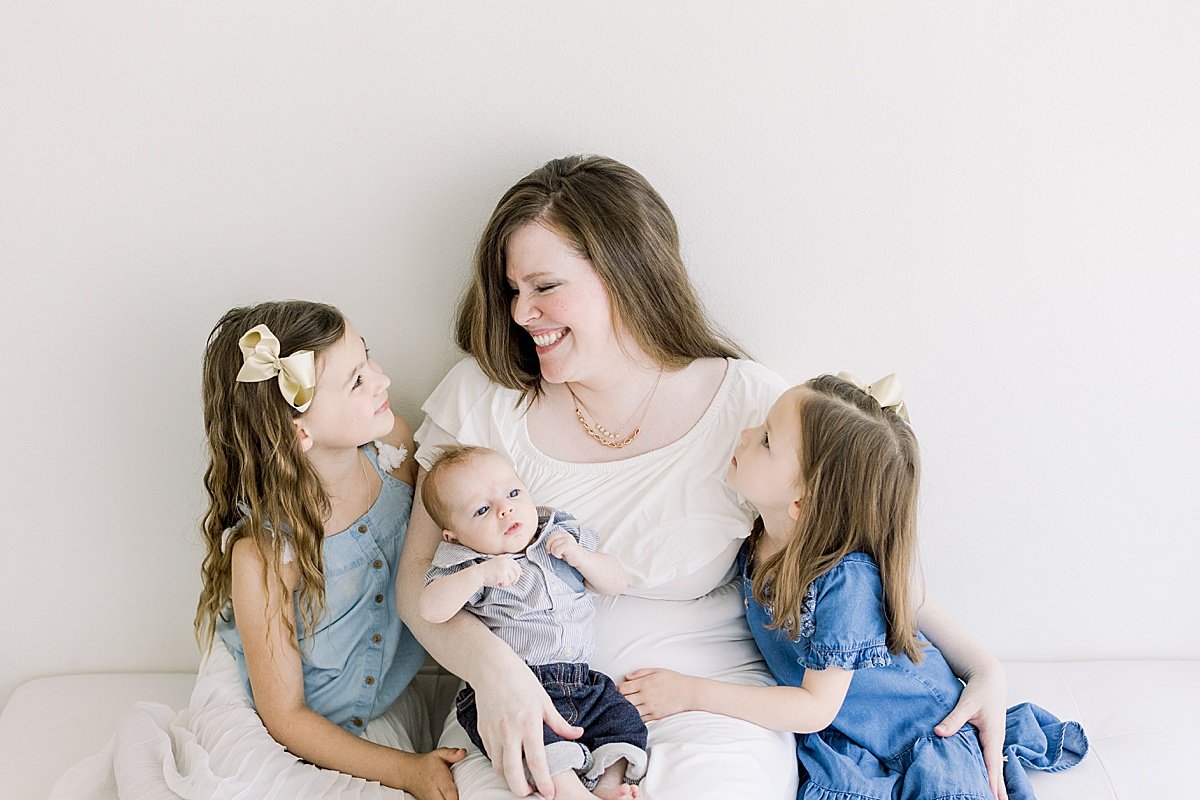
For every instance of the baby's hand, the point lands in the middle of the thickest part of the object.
(658, 693)
(499, 572)
(563, 545)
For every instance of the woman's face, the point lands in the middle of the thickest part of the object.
(558, 299)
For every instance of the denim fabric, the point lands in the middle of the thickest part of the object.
(584, 697)
(881, 744)
(1035, 739)
(359, 657)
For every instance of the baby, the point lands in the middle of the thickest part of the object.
(523, 569)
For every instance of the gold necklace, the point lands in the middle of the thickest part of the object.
(603, 435)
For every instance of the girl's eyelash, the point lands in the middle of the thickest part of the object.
(766, 440)
(357, 382)
(546, 287)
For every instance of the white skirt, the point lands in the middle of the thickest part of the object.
(218, 748)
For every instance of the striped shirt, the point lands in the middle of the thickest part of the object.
(546, 615)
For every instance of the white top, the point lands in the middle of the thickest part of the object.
(667, 515)
(669, 518)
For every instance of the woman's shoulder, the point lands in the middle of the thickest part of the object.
(746, 394)
(751, 379)
(464, 386)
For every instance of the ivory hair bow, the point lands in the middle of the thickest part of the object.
(297, 372)
(886, 392)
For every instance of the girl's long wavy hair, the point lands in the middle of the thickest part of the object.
(860, 471)
(255, 460)
(613, 217)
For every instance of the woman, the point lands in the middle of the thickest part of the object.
(597, 373)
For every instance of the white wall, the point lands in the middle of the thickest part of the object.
(1001, 202)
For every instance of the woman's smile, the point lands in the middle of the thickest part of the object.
(546, 340)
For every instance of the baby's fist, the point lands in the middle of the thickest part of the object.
(500, 571)
(562, 545)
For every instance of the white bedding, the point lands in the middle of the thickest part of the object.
(218, 748)
(1142, 719)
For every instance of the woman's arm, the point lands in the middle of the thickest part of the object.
(277, 680)
(810, 707)
(511, 702)
(983, 700)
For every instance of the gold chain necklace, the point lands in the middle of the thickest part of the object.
(603, 435)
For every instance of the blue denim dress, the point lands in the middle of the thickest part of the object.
(881, 745)
(359, 656)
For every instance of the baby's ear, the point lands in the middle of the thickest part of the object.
(302, 435)
(449, 537)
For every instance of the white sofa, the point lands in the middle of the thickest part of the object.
(1142, 719)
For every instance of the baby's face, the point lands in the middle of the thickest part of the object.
(492, 511)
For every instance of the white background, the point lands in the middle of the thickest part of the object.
(1000, 202)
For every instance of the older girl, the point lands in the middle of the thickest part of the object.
(304, 528)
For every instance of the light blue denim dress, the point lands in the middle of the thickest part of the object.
(359, 657)
(881, 745)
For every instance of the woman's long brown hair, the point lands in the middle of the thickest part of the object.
(255, 460)
(860, 471)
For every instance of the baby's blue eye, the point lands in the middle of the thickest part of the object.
(479, 512)
(514, 493)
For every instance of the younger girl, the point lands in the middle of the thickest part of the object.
(826, 578)
(303, 532)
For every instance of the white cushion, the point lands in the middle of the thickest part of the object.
(1142, 719)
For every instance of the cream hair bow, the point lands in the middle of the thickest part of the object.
(297, 373)
(886, 392)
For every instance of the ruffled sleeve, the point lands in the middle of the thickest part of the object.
(842, 623)
(452, 411)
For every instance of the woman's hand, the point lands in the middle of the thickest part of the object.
(512, 705)
(658, 693)
(427, 776)
(983, 705)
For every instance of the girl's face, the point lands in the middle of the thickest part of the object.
(766, 462)
(559, 300)
(350, 405)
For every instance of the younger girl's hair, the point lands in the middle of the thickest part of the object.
(613, 217)
(255, 460)
(860, 471)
